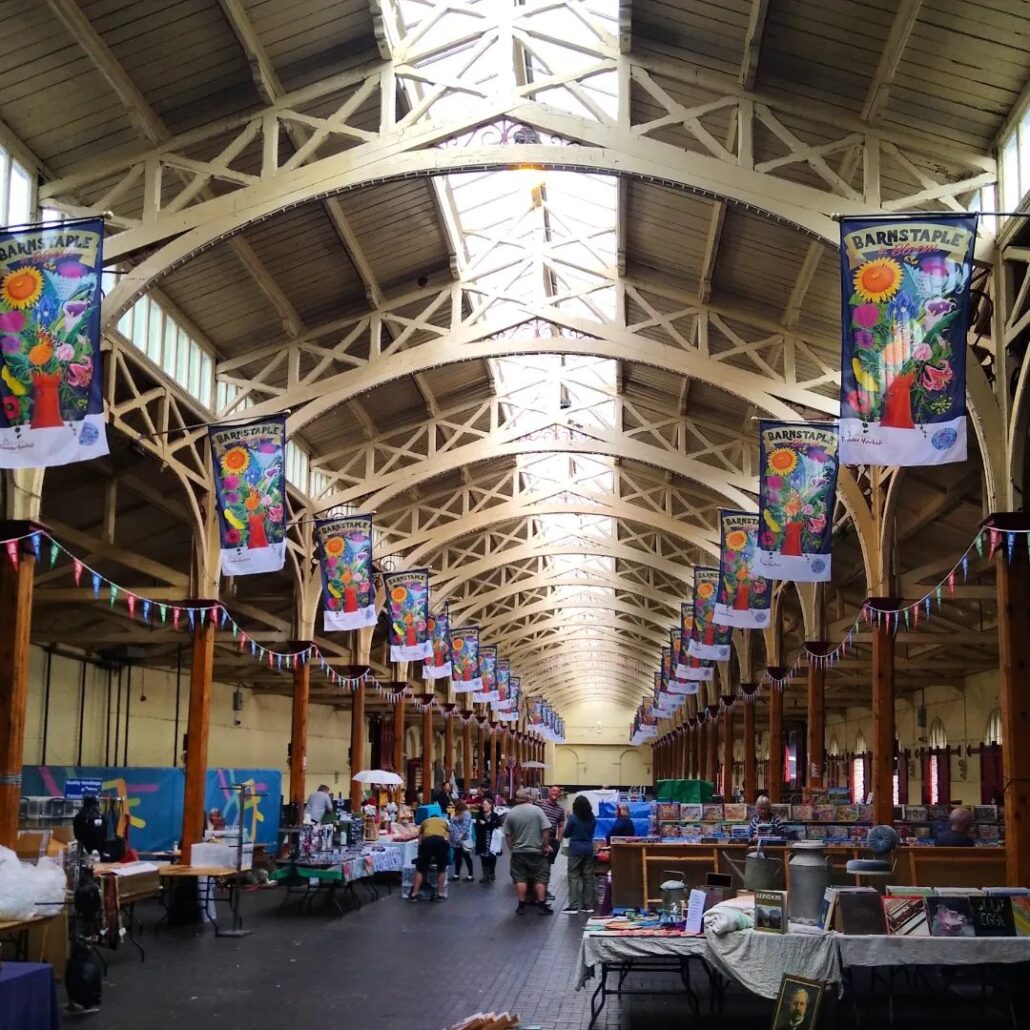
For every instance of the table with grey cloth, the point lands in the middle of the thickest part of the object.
(596, 948)
(932, 951)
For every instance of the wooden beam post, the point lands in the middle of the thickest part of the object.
(713, 748)
(750, 749)
(727, 752)
(816, 714)
(774, 777)
(427, 748)
(299, 730)
(882, 780)
(479, 774)
(357, 743)
(495, 769)
(399, 704)
(15, 623)
(702, 748)
(1013, 584)
(197, 729)
(448, 740)
(466, 750)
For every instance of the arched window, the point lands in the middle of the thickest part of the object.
(938, 735)
(858, 771)
(834, 745)
(937, 767)
(992, 735)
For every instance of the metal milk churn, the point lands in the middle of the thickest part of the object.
(809, 878)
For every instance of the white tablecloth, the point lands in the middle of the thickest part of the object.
(932, 951)
(602, 947)
(758, 960)
(408, 850)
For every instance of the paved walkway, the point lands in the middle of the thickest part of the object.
(390, 966)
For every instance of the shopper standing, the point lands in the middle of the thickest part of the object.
(461, 840)
(484, 825)
(529, 837)
(579, 832)
(623, 825)
(552, 808)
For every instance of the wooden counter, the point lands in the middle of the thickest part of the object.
(638, 868)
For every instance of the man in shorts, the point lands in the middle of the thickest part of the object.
(528, 833)
(433, 849)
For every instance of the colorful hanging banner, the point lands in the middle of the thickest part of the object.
(707, 640)
(514, 694)
(465, 677)
(407, 602)
(503, 702)
(249, 463)
(677, 685)
(52, 383)
(743, 599)
(905, 312)
(797, 493)
(535, 714)
(439, 665)
(488, 673)
(686, 632)
(663, 702)
(344, 547)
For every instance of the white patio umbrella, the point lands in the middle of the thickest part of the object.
(378, 777)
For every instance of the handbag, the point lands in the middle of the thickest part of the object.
(496, 842)
(468, 842)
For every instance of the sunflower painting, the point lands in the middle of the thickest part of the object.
(792, 531)
(50, 383)
(905, 299)
(344, 547)
(503, 702)
(465, 676)
(707, 640)
(407, 602)
(438, 665)
(743, 597)
(250, 484)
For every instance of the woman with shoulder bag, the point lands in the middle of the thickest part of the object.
(462, 840)
(579, 832)
(485, 823)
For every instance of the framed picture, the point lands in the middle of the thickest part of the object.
(797, 1005)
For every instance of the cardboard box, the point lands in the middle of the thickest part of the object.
(32, 844)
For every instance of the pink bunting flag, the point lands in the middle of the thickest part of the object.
(12, 552)
(130, 600)
(213, 613)
(77, 567)
(176, 613)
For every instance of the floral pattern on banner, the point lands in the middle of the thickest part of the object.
(465, 675)
(503, 702)
(797, 494)
(676, 683)
(407, 601)
(665, 703)
(905, 303)
(707, 640)
(250, 486)
(52, 388)
(344, 548)
(743, 599)
(488, 673)
(440, 641)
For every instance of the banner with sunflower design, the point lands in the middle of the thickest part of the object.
(678, 684)
(344, 547)
(664, 702)
(689, 669)
(465, 676)
(488, 674)
(52, 388)
(535, 714)
(514, 694)
(407, 604)
(250, 486)
(503, 702)
(743, 599)
(905, 312)
(676, 697)
(439, 666)
(707, 640)
(796, 495)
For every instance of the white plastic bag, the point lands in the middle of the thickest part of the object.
(16, 900)
(496, 842)
(48, 884)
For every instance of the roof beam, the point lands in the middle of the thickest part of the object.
(753, 42)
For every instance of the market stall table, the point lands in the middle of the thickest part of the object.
(622, 952)
(311, 879)
(28, 997)
(209, 880)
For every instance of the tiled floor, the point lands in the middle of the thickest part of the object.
(395, 966)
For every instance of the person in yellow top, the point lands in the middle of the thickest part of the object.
(433, 849)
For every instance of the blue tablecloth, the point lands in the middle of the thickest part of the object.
(28, 997)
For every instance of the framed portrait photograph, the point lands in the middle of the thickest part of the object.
(797, 1005)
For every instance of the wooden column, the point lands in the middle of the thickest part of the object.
(495, 770)
(15, 623)
(480, 772)
(466, 751)
(690, 738)
(427, 749)
(727, 752)
(299, 730)
(399, 704)
(1013, 585)
(702, 749)
(750, 752)
(774, 776)
(816, 716)
(713, 749)
(357, 742)
(882, 780)
(448, 740)
(197, 727)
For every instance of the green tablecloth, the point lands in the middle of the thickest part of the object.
(694, 792)
(302, 872)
